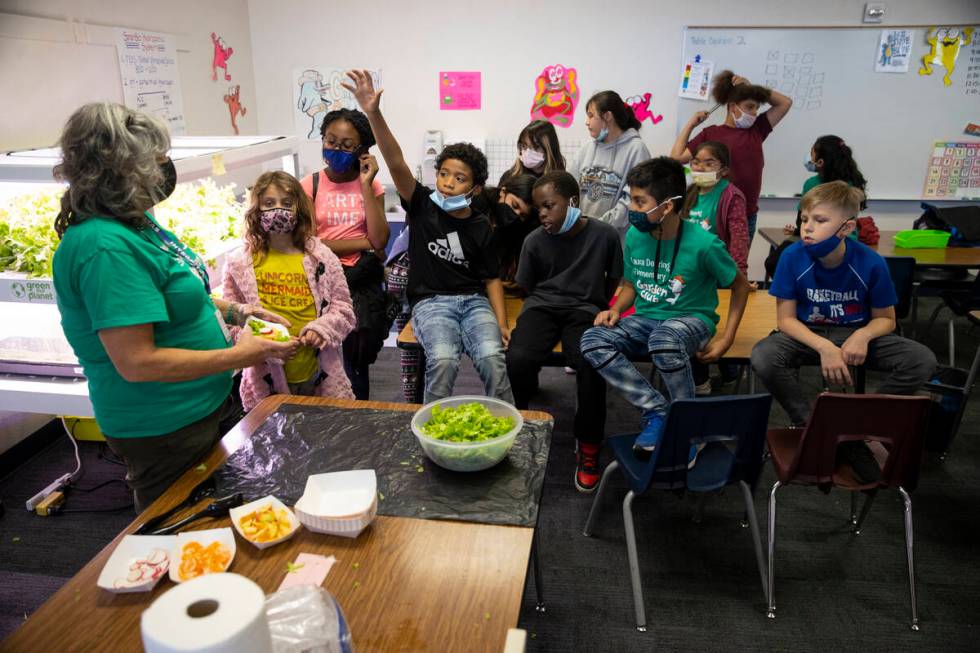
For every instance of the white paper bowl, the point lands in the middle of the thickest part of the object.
(339, 503)
(223, 535)
(467, 456)
(236, 515)
(134, 547)
(278, 329)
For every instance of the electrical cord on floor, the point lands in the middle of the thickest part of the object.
(114, 509)
(77, 474)
(99, 486)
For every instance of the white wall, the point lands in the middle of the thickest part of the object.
(631, 46)
(53, 58)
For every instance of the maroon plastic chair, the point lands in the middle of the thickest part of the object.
(895, 427)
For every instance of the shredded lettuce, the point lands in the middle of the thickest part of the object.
(471, 422)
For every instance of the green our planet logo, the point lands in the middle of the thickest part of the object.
(33, 291)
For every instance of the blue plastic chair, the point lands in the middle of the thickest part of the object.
(733, 432)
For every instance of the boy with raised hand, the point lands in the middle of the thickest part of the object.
(835, 306)
(672, 272)
(454, 288)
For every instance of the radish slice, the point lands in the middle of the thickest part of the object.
(156, 557)
(134, 576)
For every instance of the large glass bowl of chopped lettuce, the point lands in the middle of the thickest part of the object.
(467, 433)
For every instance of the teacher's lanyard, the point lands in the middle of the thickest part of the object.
(176, 249)
(673, 258)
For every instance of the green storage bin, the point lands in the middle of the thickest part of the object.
(921, 238)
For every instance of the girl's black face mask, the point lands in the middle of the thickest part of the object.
(506, 216)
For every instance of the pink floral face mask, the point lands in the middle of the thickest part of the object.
(278, 221)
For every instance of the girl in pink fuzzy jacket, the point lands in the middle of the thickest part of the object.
(283, 267)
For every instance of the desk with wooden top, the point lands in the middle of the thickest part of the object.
(418, 585)
(932, 257)
(758, 321)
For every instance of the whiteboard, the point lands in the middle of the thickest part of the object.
(890, 120)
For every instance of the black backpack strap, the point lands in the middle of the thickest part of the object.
(316, 183)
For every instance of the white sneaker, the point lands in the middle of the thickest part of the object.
(569, 370)
(703, 390)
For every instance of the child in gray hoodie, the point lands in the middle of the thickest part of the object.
(602, 164)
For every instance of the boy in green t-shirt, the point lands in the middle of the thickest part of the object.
(672, 271)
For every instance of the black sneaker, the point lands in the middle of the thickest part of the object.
(857, 454)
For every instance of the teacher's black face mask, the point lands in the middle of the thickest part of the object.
(169, 183)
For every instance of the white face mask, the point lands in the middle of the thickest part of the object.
(532, 158)
(745, 120)
(704, 179)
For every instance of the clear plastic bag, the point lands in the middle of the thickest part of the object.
(307, 619)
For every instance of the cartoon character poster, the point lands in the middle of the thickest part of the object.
(317, 90)
(222, 52)
(235, 108)
(641, 108)
(894, 49)
(945, 43)
(556, 95)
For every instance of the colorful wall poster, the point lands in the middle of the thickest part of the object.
(150, 79)
(235, 108)
(317, 90)
(945, 43)
(556, 95)
(954, 171)
(222, 52)
(459, 91)
(641, 108)
(696, 79)
(894, 49)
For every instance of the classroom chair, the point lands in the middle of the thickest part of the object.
(951, 387)
(732, 431)
(960, 302)
(896, 427)
(902, 271)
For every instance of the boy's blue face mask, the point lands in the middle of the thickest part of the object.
(824, 247)
(639, 219)
(809, 165)
(450, 204)
(571, 217)
(339, 161)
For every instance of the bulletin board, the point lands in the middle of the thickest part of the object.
(892, 121)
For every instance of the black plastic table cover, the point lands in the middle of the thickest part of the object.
(297, 441)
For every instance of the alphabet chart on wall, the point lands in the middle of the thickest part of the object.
(954, 171)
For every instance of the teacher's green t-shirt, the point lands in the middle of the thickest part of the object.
(690, 288)
(107, 275)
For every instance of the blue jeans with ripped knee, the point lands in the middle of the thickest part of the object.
(669, 343)
(448, 325)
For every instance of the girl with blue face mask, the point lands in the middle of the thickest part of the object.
(350, 221)
(614, 148)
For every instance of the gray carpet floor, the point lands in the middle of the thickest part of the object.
(834, 590)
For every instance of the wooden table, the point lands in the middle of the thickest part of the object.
(933, 257)
(758, 321)
(419, 585)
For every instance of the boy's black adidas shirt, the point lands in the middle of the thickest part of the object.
(447, 255)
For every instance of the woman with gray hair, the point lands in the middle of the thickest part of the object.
(135, 302)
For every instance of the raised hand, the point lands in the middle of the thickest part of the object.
(363, 90)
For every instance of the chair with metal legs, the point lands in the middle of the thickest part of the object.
(731, 431)
(895, 427)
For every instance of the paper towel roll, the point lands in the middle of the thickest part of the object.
(216, 613)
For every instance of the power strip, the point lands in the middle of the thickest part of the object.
(59, 483)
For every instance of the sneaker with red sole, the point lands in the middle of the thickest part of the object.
(587, 470)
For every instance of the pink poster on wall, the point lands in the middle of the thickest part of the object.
(459, 91)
